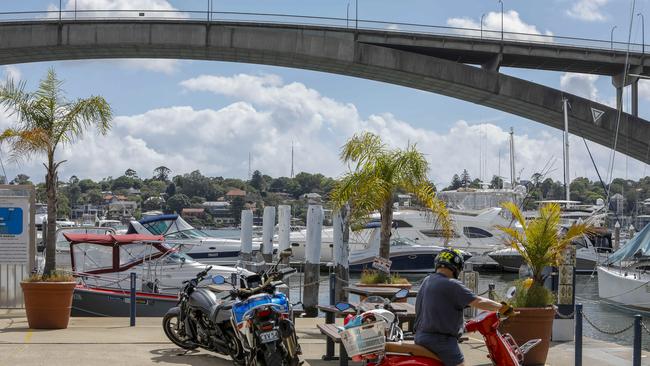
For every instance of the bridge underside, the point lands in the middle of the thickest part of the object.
(338, 51)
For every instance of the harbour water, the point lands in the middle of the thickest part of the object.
(606, 316)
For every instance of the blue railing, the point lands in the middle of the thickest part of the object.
(349, 23)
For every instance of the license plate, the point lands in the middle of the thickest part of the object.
(271, 336)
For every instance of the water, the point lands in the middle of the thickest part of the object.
(604, 315)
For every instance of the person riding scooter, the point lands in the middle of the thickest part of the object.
(439, 308)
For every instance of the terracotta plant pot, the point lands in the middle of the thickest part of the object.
(386, 285)
(532, 323)
(48, 304)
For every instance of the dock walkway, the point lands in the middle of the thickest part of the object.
(110, 342)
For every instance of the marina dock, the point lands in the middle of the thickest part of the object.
(110, 341)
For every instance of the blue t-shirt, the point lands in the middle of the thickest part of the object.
(439, 305)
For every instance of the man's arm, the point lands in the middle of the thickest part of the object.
(485, 304)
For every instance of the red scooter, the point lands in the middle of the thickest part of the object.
(502, 348)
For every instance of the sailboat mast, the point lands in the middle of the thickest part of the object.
(291, 159)
(567, 179)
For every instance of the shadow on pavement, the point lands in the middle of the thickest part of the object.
(182, 357)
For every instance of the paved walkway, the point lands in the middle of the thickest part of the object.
(111, 342)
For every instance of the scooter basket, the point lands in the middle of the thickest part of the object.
(365, 339)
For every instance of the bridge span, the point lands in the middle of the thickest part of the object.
(461, 67)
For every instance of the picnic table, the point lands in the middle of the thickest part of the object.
(405, 313)
(386, 292)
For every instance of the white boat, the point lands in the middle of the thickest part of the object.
(624, 278)
(116, 225)
(63, 258)
(106, 261)
(474, 232)
(195, 243)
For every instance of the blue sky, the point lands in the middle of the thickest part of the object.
(246, 108)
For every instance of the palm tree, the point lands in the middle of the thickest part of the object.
(47, 120)
(539, 240)
(378, 174)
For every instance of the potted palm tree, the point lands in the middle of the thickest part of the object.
(378, 173)
(46, 120)
(540, 243)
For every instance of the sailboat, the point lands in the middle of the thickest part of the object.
(624, 278)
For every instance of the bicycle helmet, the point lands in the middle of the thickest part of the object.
(451, 259)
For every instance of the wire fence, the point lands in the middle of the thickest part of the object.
(209, 16)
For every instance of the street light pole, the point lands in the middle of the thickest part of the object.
(482, 16)
(501, 2)
(642, 32)
(611, 37)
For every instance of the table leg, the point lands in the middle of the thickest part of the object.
(343, 355)
(329, 344)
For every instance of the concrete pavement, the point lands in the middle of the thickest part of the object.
(110, 342)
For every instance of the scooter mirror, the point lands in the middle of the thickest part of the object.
(511, 292)
(286, 253)
(401, 294)
(343, 306)
(218, 280)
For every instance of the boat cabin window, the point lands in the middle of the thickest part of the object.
(436, 233)
(187, 234)
(131, 253)
(401, 242)
(90, 257)
(476, 233)
(401, 223)
(158, 227)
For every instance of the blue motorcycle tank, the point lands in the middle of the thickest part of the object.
(278, 301)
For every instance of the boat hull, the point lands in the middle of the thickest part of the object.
(629, 289)
(419, 260)
(105, 302)
(510, 261)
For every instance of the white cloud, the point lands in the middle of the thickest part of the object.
(269, 113)
(589, 10)
(11, 72)
(166, 10)
(583, 85)
(492, 27)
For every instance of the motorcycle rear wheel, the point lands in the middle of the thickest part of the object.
(170, 322)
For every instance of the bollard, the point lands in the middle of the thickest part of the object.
(340, 253)
(284, 229)
(636, 355)
(332, 288)
(312, 259)
(133, 300)
(268, 225)
(491, 288)
(246, 237)
(578, 341)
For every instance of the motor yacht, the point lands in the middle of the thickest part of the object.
(194, 242)
(104, 264)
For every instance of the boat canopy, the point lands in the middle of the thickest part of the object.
(111, 239)
(637, 247)
(171, 226)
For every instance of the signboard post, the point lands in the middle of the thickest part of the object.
(563, 328)
(17, 241)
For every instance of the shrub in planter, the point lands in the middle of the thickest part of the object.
(374, 278)
(48, 300)
(540, 241)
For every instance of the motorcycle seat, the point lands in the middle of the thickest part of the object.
(410, 349)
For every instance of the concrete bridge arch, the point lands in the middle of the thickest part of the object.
(398, 58)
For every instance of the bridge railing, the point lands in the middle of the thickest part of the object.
(491, 35)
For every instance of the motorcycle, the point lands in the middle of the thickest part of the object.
(262, 318)
(201, 319)
(502, 348)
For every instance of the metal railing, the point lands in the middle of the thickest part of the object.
(210, 16)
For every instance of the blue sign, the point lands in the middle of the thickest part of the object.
(11, 220)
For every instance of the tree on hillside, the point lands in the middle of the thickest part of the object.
(46, 120)
(178, 202)
(377, 174)
(455, 182)
(131, 173)
(257, 181)
(21, 179)
(170, 190)
(465, 179)
(496, 182)
(87, 184)
(161, 173)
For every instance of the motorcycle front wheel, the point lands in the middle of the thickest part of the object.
(170, 326)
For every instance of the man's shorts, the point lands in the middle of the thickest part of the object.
(444, 346)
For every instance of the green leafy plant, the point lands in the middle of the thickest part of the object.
(373, 277)
(540, 243)
(54, 276)
(375, 175)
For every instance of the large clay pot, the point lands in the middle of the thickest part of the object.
(48, 304)
(386, 285)
(532, 323)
